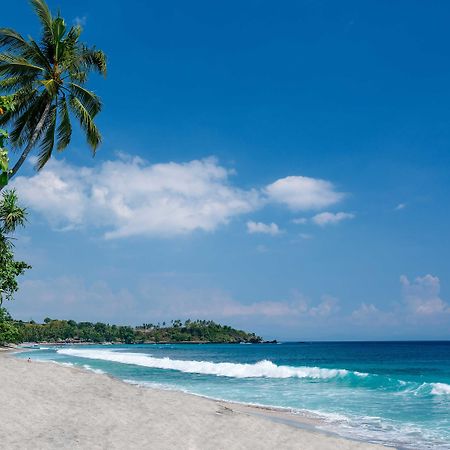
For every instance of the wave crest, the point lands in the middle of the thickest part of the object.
(261, 369)
(440, 389)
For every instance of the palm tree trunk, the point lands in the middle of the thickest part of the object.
(31, 142)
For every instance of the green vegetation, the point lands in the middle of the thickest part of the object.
(6, 104)
(44, 85)
(189, 331)
(9, 333)
(11, 216)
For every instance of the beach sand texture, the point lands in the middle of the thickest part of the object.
(46, 406)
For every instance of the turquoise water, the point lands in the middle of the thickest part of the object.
(396, 393)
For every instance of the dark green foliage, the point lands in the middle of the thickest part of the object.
(9, 333)
(71, 331)
(11, 216)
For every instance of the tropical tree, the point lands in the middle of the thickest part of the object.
(8, 331)
(46, 81)
(11, 216)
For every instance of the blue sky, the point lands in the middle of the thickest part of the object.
(282, 168)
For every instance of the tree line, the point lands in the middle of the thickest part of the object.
(70, 331)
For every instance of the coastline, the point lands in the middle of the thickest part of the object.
(51, 406)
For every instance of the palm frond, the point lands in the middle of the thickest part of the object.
(81, 113)
(94, 59)
(12, 41)
(44, 14)
(11, 214)
(26, 123)
(48, 139)
(88, 98)
(22, 99)
(13, 84)
(78, 75)
(64, 127)
(12, 65)
(35, 54)
(45, 17)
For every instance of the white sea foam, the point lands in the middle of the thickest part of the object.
(266, 369)
(66, 364)
(440, 389)
(91, 369)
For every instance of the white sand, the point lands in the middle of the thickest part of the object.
(46, 406)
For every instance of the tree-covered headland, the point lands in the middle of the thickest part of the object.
(69, 331)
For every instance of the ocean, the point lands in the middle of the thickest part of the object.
(395, 393)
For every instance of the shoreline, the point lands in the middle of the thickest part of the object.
(212, 423)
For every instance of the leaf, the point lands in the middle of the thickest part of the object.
(64, 127)
(48, 141)
(3, 179)
(4, 160)
(92, 134)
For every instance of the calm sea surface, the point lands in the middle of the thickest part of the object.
(396, 393)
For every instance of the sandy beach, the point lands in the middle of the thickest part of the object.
(48, 406)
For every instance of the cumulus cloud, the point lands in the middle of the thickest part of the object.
(303, 193)
(420, 304)
(264, 228)
(328, 218)
(300, 221)
(422, 295)
(129, 197)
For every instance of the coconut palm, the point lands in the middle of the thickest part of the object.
(47, 83)
(12, 215)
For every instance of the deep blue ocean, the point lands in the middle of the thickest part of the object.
(396, 393)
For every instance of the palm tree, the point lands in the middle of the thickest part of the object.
(47, 83)
(11, 214)
(11, 217)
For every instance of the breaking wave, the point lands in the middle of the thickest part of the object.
(264, 369)
(440, 389)
(261, 369)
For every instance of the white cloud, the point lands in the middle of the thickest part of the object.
(328, 305)
(129, 197)
(303, 193)
(327, 218)
(421, 304)
(259, 227)
(421, 296)
(400, 206)
(80, 21)
(300, 221)
(365, 311)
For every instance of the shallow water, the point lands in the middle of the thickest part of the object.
(396, 393)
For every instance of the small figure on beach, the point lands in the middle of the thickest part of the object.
(29, 359)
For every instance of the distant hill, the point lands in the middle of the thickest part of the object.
(70, 331)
